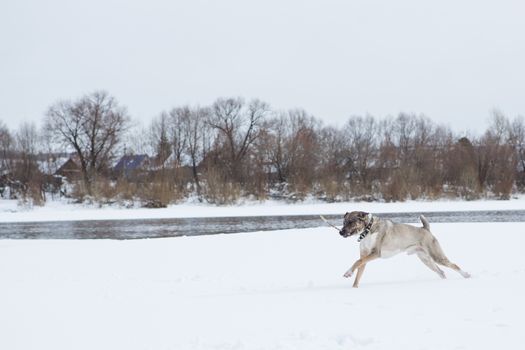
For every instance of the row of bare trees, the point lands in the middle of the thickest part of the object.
(236, 148)
(20, 175)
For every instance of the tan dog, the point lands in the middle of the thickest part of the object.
(384, 239)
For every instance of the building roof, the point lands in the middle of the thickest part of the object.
(130, 163)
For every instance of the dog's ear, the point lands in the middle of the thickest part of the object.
(362, 215)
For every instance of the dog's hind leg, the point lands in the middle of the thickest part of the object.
(427, 260)
(454, 267)
(439, 257)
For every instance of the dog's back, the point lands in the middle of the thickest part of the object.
(398, 237)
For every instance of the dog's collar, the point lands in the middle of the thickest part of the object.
(367, 229)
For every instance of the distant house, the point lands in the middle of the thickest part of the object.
(49, 163)
(131, 164)
(70, 169)
(165, 161)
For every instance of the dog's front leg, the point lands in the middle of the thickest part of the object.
(360, 262)
(351, 270)
(360, 271)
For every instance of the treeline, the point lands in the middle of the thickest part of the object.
(243, 149)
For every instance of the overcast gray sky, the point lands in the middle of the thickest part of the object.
(451, 60)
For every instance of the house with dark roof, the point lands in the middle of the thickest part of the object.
(70, 169)
(131, 164)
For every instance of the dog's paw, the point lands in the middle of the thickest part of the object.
(348, 274)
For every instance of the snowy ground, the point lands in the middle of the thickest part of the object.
(265, 290)
(62, 211)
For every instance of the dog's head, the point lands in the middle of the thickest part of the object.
(354, 223)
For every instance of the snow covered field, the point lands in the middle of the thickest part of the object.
(62, 211)
(264, 290)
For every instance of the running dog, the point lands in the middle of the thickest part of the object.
(381, 238)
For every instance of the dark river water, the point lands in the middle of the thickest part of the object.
(153, 228)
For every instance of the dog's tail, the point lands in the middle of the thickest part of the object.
(426, 225)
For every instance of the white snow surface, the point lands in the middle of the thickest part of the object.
(58, 210)
(263, 290)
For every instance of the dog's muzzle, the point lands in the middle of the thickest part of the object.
(343, 233)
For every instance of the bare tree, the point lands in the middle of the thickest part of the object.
(93, 127)
(197, 135)
(462, 168)
(160, 138)
(360, 137)
(303, 151)
(177, 135)
(274, 144)
(428, 154)
(497, 159)
(517, 140)
(295, 150)
(26, 169)
(6, 149)
(161, 184)
(333, 154)
(238, 124)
